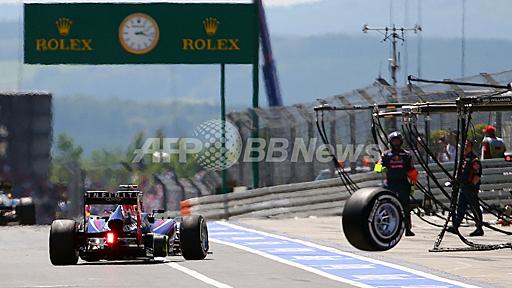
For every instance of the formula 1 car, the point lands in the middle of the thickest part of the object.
(115, 227)
(21, 210)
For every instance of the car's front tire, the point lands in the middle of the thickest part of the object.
(194, 237)
(160, 245)
(373, 219)
(63, 242)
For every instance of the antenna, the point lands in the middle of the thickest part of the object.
(406, 50)
(420, 38)
(463, 43)
(394, 35)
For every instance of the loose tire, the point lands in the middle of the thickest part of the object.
(194, 237)
(160, 245)
(373, 219)
(26, 211)
(63, 243)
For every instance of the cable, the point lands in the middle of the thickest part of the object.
(347, 181)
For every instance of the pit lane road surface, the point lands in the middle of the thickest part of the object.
(241, 258)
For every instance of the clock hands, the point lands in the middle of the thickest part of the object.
(144, 34)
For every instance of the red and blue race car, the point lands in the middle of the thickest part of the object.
(115, 227)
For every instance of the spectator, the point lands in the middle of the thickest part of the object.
(443, 155)
(492, 146)
(451, 146)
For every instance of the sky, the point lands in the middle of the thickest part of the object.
(439, 18)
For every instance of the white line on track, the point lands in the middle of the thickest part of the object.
(290, 263)
(198, 275)
(333, 250)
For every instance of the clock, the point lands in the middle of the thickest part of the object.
(139, 33)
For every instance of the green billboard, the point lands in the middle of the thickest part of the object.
(152, 33)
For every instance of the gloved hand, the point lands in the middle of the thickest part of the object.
(379, 168)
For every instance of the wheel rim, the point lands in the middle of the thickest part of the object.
(386, 220)
(203, 236)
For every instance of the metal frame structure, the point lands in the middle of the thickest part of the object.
(409, 112)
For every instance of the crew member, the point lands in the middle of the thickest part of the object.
(401, 175)
(468, 194)
(492, 146)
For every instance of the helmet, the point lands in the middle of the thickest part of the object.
(395, 135)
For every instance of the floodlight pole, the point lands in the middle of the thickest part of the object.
(395, 34)
(255, 100)
(224, 175)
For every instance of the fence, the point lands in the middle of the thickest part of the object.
(327, 197)
(349, 127)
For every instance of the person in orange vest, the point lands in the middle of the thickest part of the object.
(492, 146)
(401, 176)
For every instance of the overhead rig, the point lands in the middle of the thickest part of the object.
(497, 100)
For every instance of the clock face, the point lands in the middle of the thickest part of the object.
(139, 33)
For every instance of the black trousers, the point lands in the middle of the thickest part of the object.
(402, 188)
(468, 196)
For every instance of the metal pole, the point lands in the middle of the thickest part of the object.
(427, 201)
(223, 172)
(391, 124)
(352, 123)
(394, 63)
(463, 43)
(255, 98)
(392, 33)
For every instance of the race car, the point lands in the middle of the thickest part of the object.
(21, 210)
(115, 227)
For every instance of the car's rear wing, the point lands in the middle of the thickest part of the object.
(107, 197)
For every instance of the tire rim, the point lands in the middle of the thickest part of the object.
(386, 220)
(203, 236)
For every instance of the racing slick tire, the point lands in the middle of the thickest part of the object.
(194, 237)
(63, 243)
(26, 211)
(373, 219)
(160, 245)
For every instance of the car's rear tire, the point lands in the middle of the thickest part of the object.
(89, 258)
(160, 245)
(194, 237)
(373, 219)
(63, 248)
(26, 211)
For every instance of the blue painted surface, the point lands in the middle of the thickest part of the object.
(361, 270)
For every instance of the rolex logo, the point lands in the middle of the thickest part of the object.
(210, 26)
(63, 25)
(64, 44)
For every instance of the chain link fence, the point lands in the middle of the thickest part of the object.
(296, 124)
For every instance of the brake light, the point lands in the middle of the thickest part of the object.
(111, 237)
(508, 158)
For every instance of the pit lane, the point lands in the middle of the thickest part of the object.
(24, 260)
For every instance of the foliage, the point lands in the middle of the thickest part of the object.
(67, 159)
(109, 168)
(476, 133)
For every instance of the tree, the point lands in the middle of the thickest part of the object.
(67, 159)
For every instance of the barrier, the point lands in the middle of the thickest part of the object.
(327, 197)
